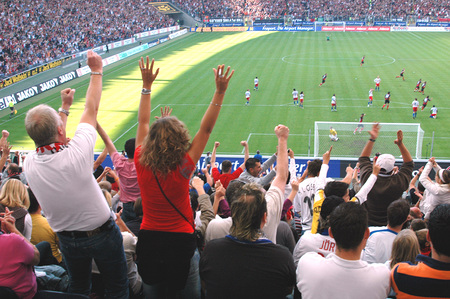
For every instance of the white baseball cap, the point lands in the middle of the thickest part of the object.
(386, 162)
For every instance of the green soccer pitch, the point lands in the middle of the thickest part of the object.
(281, 61)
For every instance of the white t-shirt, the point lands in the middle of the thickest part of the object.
(379, 245)
(377, 80)
(304, 200)
(302, 96)
(334, 277)
(370, 93)
(415, 104)
(256, 81)
(65, 187)
(333, 100)
(295, 94)
(219, 228)
(247, 94)
(318, 243)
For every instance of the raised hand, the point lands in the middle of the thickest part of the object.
(282, 131)
(222, 79)
(164, 112)
(399, 139)
(216, 144)
(375, 131)
(67, 97)
(94, 61)
(148, 76)
(376, 169)
(326, 156)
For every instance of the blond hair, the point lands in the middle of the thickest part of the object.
(405, 247)
(165, 145)
(14, 194)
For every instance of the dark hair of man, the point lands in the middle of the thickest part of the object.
(418, 224)
(247, 211)
(34, 205)
(137, 207)
(348, 223)
(439, 229)
(251, 163)
(226, 166)
(232, 188)
(194, 200)
(397, 212)
(314, 167)
(335, 188)
(329, 204)
(130, 146)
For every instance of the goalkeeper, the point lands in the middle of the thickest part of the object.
(333, 134)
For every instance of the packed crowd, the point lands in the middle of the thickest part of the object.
(336, 10)
(155, 226)
(34, 32)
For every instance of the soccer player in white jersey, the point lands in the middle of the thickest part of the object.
(301, 99)
(247, 97)
(377, 83)
(295, 96)
(333, 103)
(369, 103)
(415, 106)
(256, 81)
(433, 112)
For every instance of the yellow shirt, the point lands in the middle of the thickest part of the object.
(333, 132)
(43, 232)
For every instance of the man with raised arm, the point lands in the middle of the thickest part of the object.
(227, 174)
(60, 175)
(247, 263)
(389, 185)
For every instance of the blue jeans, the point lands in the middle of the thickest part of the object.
(192, 290)
(106, 248)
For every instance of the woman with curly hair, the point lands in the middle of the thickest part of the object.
(14, 195)
(165, 160)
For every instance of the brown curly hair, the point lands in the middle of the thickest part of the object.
(165, 145)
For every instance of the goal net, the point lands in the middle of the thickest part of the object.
(329, 26)
(350, 143)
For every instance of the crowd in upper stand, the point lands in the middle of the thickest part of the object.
(33, 32)
(310, 9)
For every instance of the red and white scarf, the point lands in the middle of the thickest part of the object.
(51, 148)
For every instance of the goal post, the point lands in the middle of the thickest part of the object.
(338, 26)
(350, 143)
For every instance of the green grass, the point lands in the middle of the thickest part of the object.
(282, 61)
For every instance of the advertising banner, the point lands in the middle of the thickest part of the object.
(283, 28)
(27, 74)
(356, 28)
(390, 23)
(36, 89)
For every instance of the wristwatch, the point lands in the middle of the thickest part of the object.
(66, 112)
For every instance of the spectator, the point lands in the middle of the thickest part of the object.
(164, 161)
(425, 248)
(431, 276)
(18, 257)
(405, 248)
(439, 191)
(418, 224)
(61, 178)
(379, 245)
(135, 224)
(258, 156)
(241, 264)
(254, 171)
(319, 242)
(126, 173)
(227, 176)
(349, 275)
(389, 186)
(42, 231)
(14, 196)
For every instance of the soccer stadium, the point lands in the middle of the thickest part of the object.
(132, 133)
